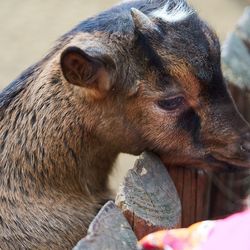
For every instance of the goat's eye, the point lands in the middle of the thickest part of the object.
(172, 103)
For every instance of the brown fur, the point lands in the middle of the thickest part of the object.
(47, 193)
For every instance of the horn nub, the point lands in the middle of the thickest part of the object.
(142, 21)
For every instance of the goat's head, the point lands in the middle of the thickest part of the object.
(157, 85)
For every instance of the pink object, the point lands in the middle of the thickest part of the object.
(232, 233)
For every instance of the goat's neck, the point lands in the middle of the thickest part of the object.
(45, 145)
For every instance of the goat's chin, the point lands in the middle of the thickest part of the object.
(228, 164)
(207, 163)
(182, 161)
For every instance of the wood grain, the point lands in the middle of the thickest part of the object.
(109, 230)
(148, 197)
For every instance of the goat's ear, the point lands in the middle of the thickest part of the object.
(82, 69)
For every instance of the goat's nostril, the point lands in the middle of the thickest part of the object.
(248, 135)
(245, 146)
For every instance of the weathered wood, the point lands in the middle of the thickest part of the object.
(236, 64)
(148, 197)
(148, 202)
(109, 230)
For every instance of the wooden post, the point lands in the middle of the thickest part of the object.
(193, 187)
(148, 197)
(236, 64)
(146, 202)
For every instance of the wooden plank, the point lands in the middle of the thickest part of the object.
(193, 187)
(203, 188)
(148, 197)
(187, 206)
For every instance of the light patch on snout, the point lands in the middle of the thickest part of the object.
(180, 12)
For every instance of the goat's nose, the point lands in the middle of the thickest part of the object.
(247, 136)
(245, 145)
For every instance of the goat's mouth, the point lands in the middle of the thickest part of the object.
(225, 162)
(181, 161)
(211, 161)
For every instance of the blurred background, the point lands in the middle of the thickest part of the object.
(28, 29)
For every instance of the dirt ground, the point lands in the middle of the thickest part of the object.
(28, 29)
